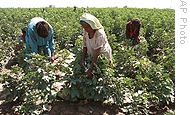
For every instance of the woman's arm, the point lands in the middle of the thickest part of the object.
(83, 55)
(52, 57)
(127, 31)
(52, 45)
(51, 42)
(31, 43)
(94, 59)
(136, 35)
(84, 52)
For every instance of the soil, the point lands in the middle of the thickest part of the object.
(63, 107)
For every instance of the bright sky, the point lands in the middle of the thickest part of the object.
(89, 3)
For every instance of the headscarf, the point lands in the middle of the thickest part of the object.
(91, 20)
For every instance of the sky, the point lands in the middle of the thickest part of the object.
(88, 3)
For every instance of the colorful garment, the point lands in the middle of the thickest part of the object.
(133, 32)
(34, 42)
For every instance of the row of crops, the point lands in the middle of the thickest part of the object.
(146, 72)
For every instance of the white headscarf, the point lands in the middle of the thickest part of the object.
(91, 20)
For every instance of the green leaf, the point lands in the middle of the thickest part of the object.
(74, 93)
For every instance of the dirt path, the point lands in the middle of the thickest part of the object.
(80, 108)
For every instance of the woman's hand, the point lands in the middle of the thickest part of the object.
(89, 73)
(81, 63)
(52, 59)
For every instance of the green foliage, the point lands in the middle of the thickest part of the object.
(145, 71)
(34, 85)
(102, 86)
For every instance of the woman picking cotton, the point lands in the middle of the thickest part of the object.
(95, 41)
(132, 30)
(39, 38)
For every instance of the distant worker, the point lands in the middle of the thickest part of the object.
(85, 10)
(43, 10)
(132, 31)
(75, 9)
